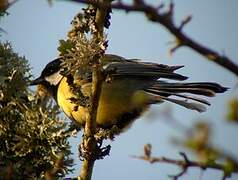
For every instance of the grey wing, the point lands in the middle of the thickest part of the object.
(134, 68)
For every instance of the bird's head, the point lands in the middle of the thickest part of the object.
(50, 76)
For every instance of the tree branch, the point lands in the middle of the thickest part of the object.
(89, 142)
(4, 4)
(101, 15)
(166, 20)
(186, 164)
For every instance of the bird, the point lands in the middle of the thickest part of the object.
(133, 87)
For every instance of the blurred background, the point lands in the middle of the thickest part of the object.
(34, 29)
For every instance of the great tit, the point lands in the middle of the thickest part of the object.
(133, 87)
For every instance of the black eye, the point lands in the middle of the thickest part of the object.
(51, 70)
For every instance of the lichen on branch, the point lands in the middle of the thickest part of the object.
(81, 54)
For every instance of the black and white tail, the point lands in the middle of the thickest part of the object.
(180, 93)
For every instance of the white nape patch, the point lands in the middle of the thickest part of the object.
(54, 79)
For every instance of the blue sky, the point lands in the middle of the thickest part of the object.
(34, 29)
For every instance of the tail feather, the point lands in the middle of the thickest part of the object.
(198, 91)
(201, 88)
(215, 87)
(166, 94)
(163, 90)
(190, 105)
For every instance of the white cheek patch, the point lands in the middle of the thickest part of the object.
(54, 79)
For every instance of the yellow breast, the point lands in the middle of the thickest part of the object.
(117, 98)
(64, 95)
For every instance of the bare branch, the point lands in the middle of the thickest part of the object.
(166, 20)
(185, 21)
(101, 15)
(185, 164)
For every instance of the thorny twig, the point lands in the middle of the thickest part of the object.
(185, 164)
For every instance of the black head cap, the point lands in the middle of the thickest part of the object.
(51, 68)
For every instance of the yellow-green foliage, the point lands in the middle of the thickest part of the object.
(232, 114)
(33, 137)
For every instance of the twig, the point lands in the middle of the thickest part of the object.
(89, 142)
(5, 5)
(100, 16)
(166, 20)
(184, 164)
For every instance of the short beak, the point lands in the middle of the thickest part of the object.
(36, 81)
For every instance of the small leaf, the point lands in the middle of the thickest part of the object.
(65, 46)
(228, 168)
(232, 114)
